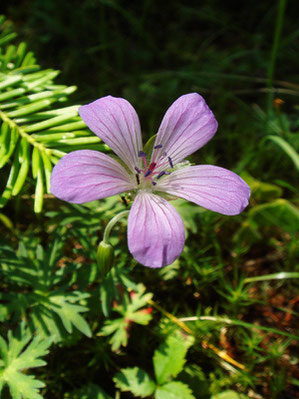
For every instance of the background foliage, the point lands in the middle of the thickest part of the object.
(65, 332)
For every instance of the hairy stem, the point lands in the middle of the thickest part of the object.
(111, 224)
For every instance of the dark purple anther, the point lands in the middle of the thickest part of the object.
(161, 174)
(158, 146)
(141, 154)
(137, 170)
(137, 178)
(170, 162)
(154, 183)
(147, 173)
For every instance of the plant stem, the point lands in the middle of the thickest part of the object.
(271, 67)
(112, 222)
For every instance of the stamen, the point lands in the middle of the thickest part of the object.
(141, 154)
(147, 173)
(158, 146)
(170, 162)
(137, 178)
(161, 174)
(162, 164)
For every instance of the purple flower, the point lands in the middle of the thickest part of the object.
(156, 234)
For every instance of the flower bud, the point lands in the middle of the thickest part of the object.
(105, 258)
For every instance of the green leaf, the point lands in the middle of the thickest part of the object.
(21, 353)
(28, 98)
(39, 190)
(273, 276)
(287, 148)
(280, 213)
(24, 159)
(135, 380)
(148, 148)
(174, 390)
(47, 168)
(118, 328)
(12, 178)
(262, 191)
(48, 307)
(229, 395)
(169, 358)
(69, 312)
(226, 320)
(131, 311)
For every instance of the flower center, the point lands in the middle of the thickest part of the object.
(148, 176)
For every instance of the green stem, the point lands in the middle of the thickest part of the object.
(111, 224)
(225, 320)
(24, 134)
(271, 68)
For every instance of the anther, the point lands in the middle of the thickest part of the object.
(154, 183)
(170, 162)
(141, 154)
(137, 178)
(161, 174)
(137, 170)
(148, 172)
(158, 146)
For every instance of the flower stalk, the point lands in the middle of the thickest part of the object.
(111, 224)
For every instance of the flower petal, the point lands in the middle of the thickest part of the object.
(85, 175)
(156, 233)
(211, 187)
(187, 126)
(116, 122)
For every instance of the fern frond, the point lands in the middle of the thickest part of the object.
(32, 133)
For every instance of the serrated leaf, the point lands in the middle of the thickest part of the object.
(169, 358)
(174, 390)
(135, 380)
(118, 329)
(21, 353)
(48, 309)
(130, 311)
(70, 313)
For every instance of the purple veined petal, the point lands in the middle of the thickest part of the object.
(116, 122)
(86, 175)
(187, 126)
(211, 187)
(156, 233)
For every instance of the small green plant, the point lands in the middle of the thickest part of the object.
(132, 310)
(44, 300)
(168, 362)
(20, 353)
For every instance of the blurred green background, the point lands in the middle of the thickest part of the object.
(151, 52)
